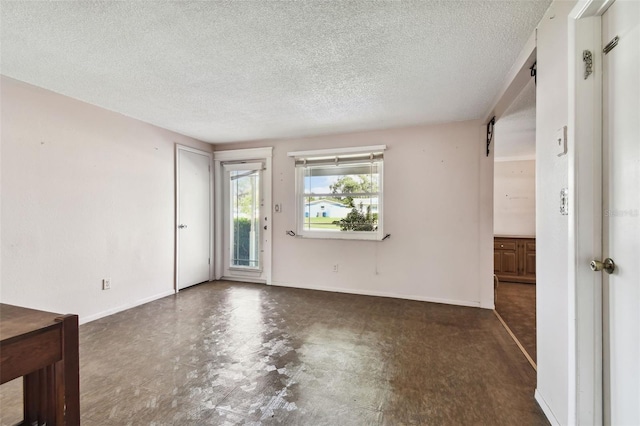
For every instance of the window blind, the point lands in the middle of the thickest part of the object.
(339, 160)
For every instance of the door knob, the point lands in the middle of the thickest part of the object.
(182, 226)
(607, 265)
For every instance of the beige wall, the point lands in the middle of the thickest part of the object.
(86, 194)
(89, 194)
(437, 187)
(514, 205)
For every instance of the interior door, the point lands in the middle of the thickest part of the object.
(621, 218)
(194, 214)
(244, 221)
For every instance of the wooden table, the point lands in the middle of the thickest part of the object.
(43, 348)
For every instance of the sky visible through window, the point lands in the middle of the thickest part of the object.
(319, 181)
(319, 184)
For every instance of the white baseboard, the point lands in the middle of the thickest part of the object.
(89, 318)
(491, 306)
(243, 280)
(381, 294)
(546, 409)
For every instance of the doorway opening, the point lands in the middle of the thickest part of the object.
(515, 220)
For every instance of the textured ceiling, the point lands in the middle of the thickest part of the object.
(516, 129)
(230, 71)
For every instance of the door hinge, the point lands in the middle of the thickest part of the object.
(613, 43)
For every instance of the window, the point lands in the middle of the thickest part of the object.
(339, 193)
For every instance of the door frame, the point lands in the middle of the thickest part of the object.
(209, 155)
(585, 216)
(265, 154)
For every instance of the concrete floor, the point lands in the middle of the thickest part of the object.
(230, 353)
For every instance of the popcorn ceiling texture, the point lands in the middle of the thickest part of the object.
(232, 71)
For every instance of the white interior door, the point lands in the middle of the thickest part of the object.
(245, 221)
(194, 219)
(621, 218)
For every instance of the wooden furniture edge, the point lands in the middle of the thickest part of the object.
(68, 374)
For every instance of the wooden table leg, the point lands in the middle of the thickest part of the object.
(68, 375)
(43, 386)
(52, 406)
(31, 395)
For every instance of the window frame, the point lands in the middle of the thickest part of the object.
(300, 195)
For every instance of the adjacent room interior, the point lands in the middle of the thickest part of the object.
(514, 219)
(288, 212)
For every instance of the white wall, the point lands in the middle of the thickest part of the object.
(440, 255)
(514, 205)
(552, 231)
(86, 194)
(89, 194)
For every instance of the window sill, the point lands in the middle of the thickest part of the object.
(354, 236)
(249, 269)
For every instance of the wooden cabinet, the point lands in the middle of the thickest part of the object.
(514, 259)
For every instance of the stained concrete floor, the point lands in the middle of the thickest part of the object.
(230, 353)
(516, 304)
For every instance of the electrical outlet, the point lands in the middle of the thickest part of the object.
(335, 268)
(106, 284)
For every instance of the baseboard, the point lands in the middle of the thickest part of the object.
(380, 294)
(546, 409)
(242, 280)
(89, 318)
(491, 306)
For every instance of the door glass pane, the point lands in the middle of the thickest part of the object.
(245, 218)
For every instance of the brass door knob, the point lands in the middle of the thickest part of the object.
(608, 265)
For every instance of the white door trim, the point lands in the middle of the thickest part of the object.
(250, 154)
(177, 211)
(585, 213)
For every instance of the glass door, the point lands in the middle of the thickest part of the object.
(243, 204)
